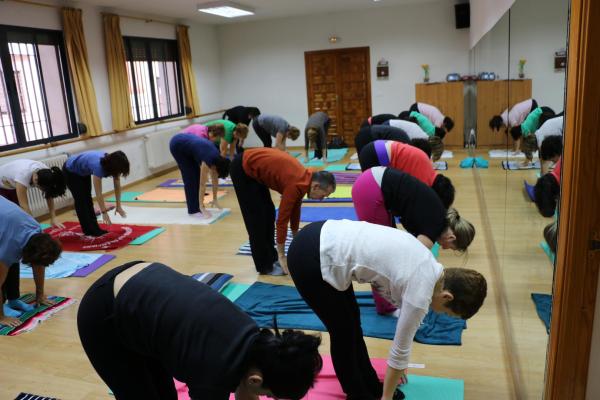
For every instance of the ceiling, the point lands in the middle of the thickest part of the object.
(264, 9)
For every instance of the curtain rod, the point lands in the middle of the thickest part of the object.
(35, 3)
(147, 20)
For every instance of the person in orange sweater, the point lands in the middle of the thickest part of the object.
(253, 173)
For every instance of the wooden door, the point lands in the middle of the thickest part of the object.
(449, 98)
(493, 97)
(338, 82)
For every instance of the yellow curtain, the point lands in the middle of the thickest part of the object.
(120, 102)
(187, 70)
(85, 94)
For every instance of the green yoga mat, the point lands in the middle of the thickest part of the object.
(234, 290)
(145, 237)
(294, 153)
(431, 388)
(336, 167)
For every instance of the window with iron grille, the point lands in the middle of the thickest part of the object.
(36, 105)
(154, 79)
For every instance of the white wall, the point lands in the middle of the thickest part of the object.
(205, 57)
(203, 44)
(538, 28)
(262, 63)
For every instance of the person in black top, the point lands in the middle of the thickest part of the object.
(143, 324)
(420, 210)
(370, 134)
(377, 119)
(241, 114)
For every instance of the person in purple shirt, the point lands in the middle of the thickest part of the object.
(195, 157)
(83, 168)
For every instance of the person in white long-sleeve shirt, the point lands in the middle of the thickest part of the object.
(326, 257)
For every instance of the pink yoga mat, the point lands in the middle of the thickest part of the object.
(327, 386)
(173, 195)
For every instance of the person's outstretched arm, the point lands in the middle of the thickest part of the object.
(22, 197)
(119, 209)
(280, 141)
(100, 199)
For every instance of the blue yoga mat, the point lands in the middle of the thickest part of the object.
(529, 190)
(312, 214)
(543, 306)
(262, 301)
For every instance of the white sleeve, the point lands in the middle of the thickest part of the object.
(409, 320)
(504, 117)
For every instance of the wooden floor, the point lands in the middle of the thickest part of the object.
(50, 361)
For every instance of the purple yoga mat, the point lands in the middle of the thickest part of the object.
(345, 177)
(168, 183)
(103, 259)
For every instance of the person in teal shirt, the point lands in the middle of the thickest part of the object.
(234, 137)
(527, 129)
(531, 122)
(425, 124)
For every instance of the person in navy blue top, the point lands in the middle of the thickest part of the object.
(21, 239)
(196, 157)
(80, 170)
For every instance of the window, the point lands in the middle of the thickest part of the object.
(36, 105)
(154, 79)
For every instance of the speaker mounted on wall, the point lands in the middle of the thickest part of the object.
(462, 13)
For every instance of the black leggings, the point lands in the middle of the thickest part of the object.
(339, 312)
(81, 189)
(258, 212)
(128, 374)
(263, 135)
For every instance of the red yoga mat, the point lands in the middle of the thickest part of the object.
(73, 239)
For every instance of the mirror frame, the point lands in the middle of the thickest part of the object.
(576, 275)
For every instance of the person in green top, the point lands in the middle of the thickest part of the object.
(527, 131)
(234, 137)
(425, 124)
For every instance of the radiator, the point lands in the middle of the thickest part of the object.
(157, 148)
(37, 201)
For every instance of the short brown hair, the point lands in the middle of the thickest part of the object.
(293, 132)
(469, 289)
(529, 145)
(241, 130)
(437, 147)
(41, 250)
(216, 130)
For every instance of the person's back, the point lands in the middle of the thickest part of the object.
(16, 228)
(387, 132)
(413, 161)
(199, 338)
(413, 130)
(273, 124)
(274, 168)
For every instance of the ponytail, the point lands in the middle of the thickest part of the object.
(464, 231)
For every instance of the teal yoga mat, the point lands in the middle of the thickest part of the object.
(234, 290)
(128, 197)
(336, 167)
(548, 251)
(144, 238)
(431, 388)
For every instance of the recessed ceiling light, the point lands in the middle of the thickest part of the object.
(225, 9)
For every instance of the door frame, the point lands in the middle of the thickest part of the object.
(367, 50)
(576, 274)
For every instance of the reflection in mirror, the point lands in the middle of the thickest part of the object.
(520, 123)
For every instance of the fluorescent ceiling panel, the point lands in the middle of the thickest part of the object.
(225, 9)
